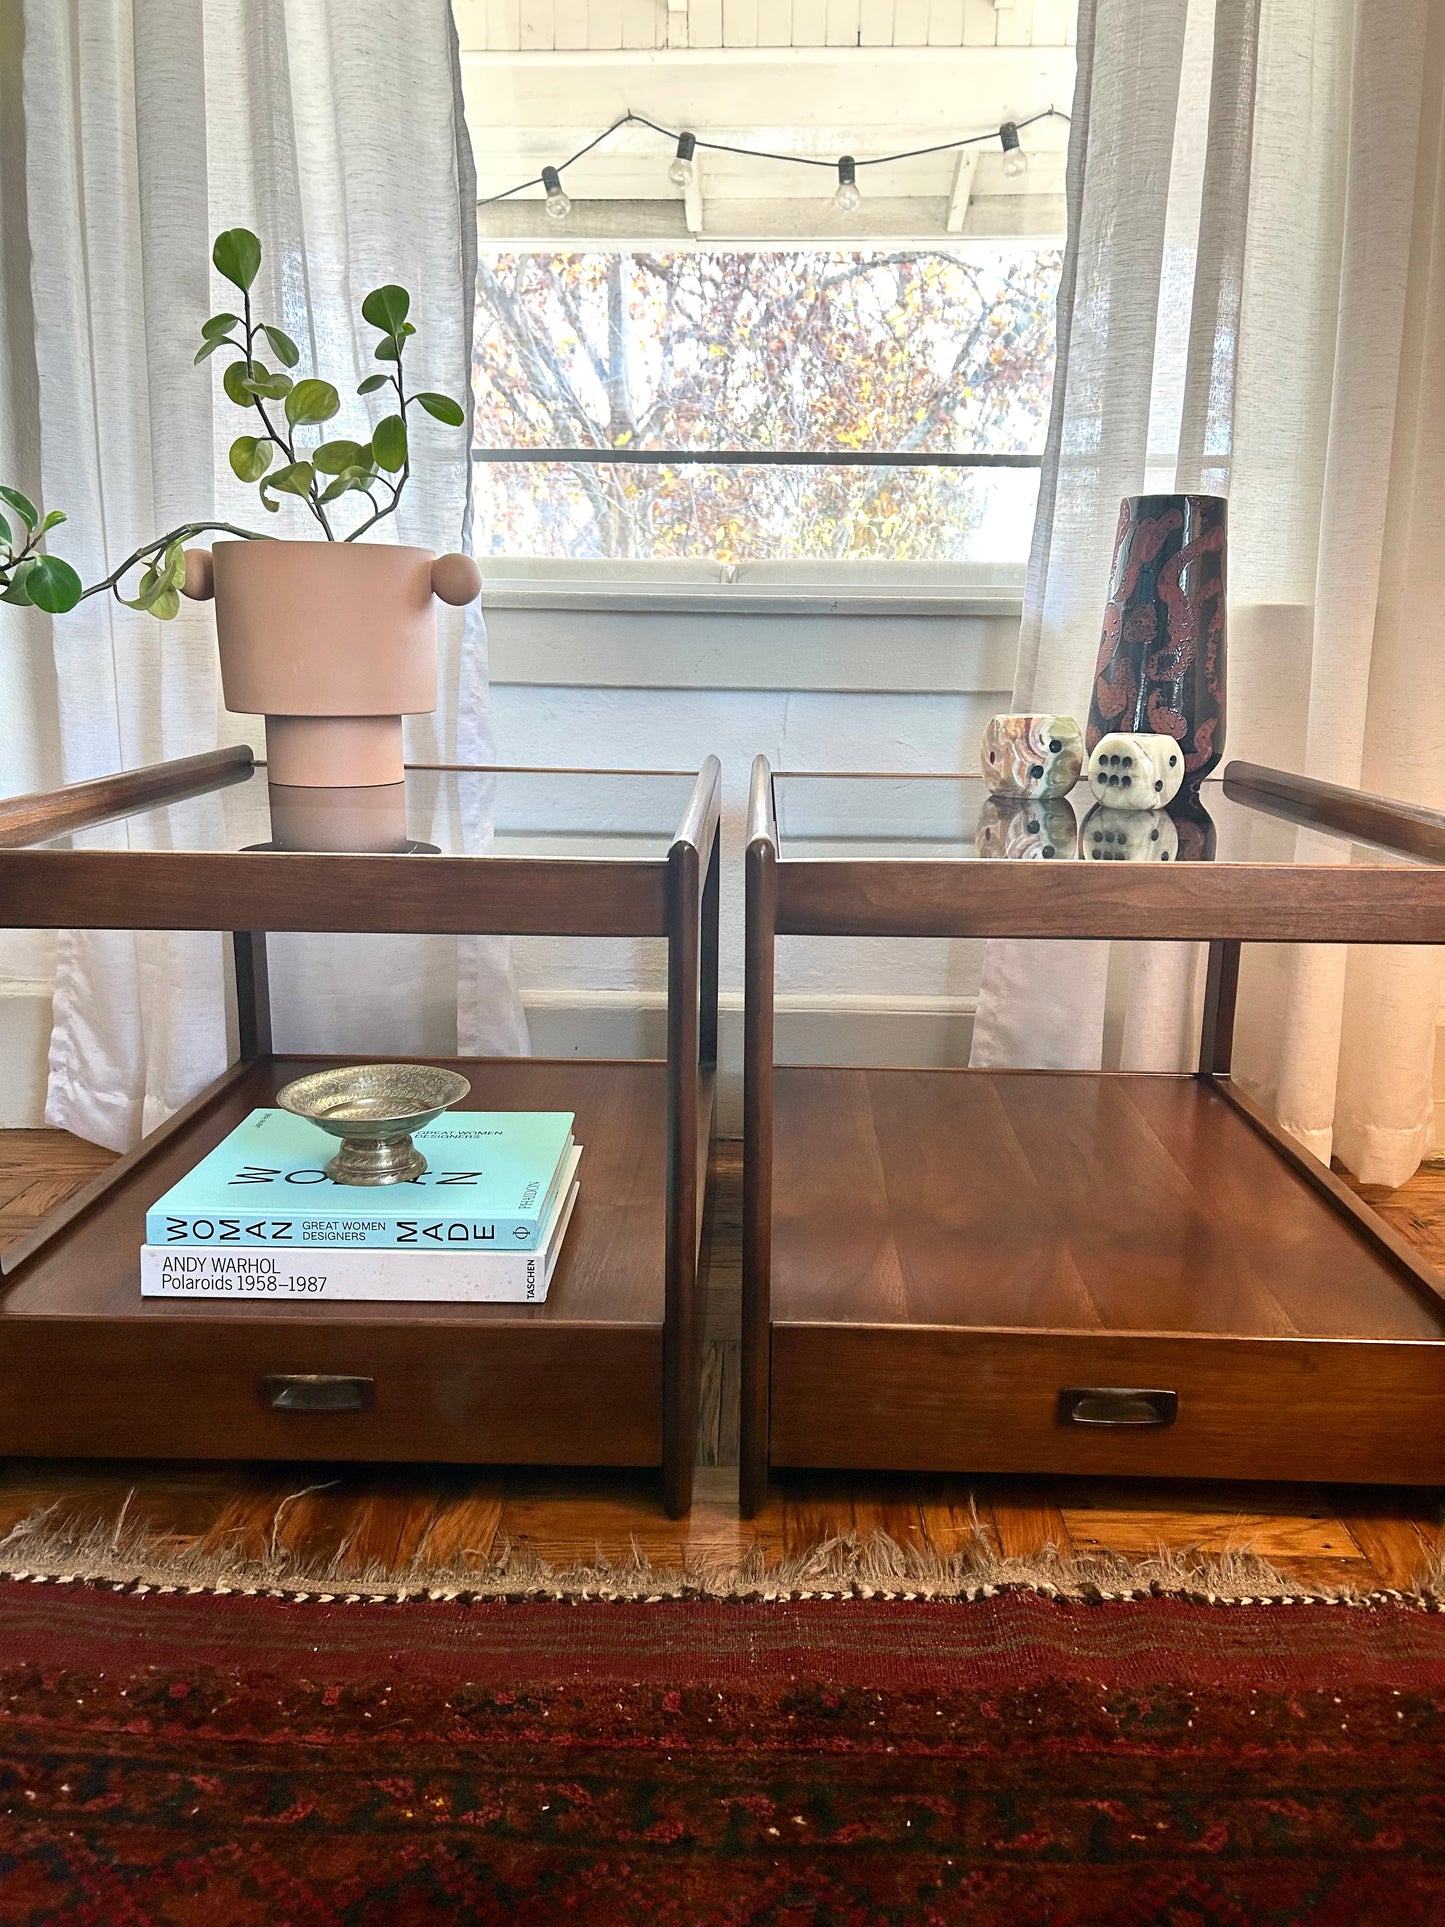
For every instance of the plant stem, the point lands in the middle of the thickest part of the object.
(148, 549)
(284, 441)
(397, 486)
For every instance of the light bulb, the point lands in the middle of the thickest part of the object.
(683, 169)
(846, 196)
(558, 204)
(1015, 160)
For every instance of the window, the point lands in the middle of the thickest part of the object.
(609, 385)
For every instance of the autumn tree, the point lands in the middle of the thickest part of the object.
(900, 352)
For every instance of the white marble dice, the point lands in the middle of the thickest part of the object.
(1129, 772)
(1031, 755)
(1112, 835)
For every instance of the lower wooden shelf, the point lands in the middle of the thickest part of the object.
(90, 1368)
(957, 1256)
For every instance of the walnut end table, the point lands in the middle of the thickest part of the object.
(606, 1371)
(1074, 1272)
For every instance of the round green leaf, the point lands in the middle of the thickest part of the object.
(53, 585)
(386, 308)
(270, 388)
(443, 408)
(208, 348)
(385, 350)
(235, 378)
(348, 479)
(218, 325)
(295, 479)
(287, 353)
(311, 401)
(52, 521)
(165, 604)
(22, 505)
(251, 456)
(388, 440)
(372, 383)
(237, 255)
(332, 457)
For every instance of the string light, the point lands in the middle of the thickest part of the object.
(1015, 160)
(683, 171)
(559, 206)
(846, 196)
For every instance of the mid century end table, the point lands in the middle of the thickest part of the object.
(1060, 1272)
(606, 1371)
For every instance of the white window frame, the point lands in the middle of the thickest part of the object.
(666, 587)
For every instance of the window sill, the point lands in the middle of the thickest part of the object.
(747, 599)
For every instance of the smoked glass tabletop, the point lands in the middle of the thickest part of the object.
(597, 814)
(863, 817)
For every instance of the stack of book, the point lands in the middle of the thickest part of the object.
(258, 1217)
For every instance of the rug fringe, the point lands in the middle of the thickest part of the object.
(846, 1567)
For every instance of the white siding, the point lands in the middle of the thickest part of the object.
(499, 26)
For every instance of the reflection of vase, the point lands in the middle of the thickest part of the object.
(1161, 656)
(1198, 837)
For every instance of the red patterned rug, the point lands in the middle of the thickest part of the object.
(229, 1761)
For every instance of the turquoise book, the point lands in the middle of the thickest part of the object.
(489, 1185)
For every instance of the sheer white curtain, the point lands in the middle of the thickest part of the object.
(334, 129)
(1254, 304)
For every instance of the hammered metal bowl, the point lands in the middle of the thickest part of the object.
(373, 1109)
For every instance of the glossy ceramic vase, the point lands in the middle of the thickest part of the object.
(1162, 654)
(333, 643)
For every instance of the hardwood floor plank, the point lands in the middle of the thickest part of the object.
(953, 1519)
(1025, 1517)
(1399, 1533)
(1298, 1527)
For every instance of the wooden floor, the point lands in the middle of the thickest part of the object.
(388, 1515)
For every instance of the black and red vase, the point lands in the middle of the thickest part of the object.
(1161, 656)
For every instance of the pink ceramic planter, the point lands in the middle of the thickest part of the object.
(333, 643)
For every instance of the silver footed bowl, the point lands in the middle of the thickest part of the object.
(373, 1109)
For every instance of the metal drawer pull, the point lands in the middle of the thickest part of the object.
(318, 1392)
(1116, 1405)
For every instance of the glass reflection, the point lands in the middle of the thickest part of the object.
(1109, 835)
(1018, 826)
(363, 822)
(1198, 838)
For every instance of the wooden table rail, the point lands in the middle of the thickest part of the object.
(45, 813)
(1407, 828)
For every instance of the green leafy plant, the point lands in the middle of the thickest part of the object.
(29, 575)
(277, 458)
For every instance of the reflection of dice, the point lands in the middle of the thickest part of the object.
(1031, 755)
(1136, 772)
(1025, 826)
(1112, 835)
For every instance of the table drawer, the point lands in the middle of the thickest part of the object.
(1103, 1404)
(188, 1388)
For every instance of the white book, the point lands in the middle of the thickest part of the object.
(262, 1272)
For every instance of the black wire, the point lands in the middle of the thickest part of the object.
(630, 119)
